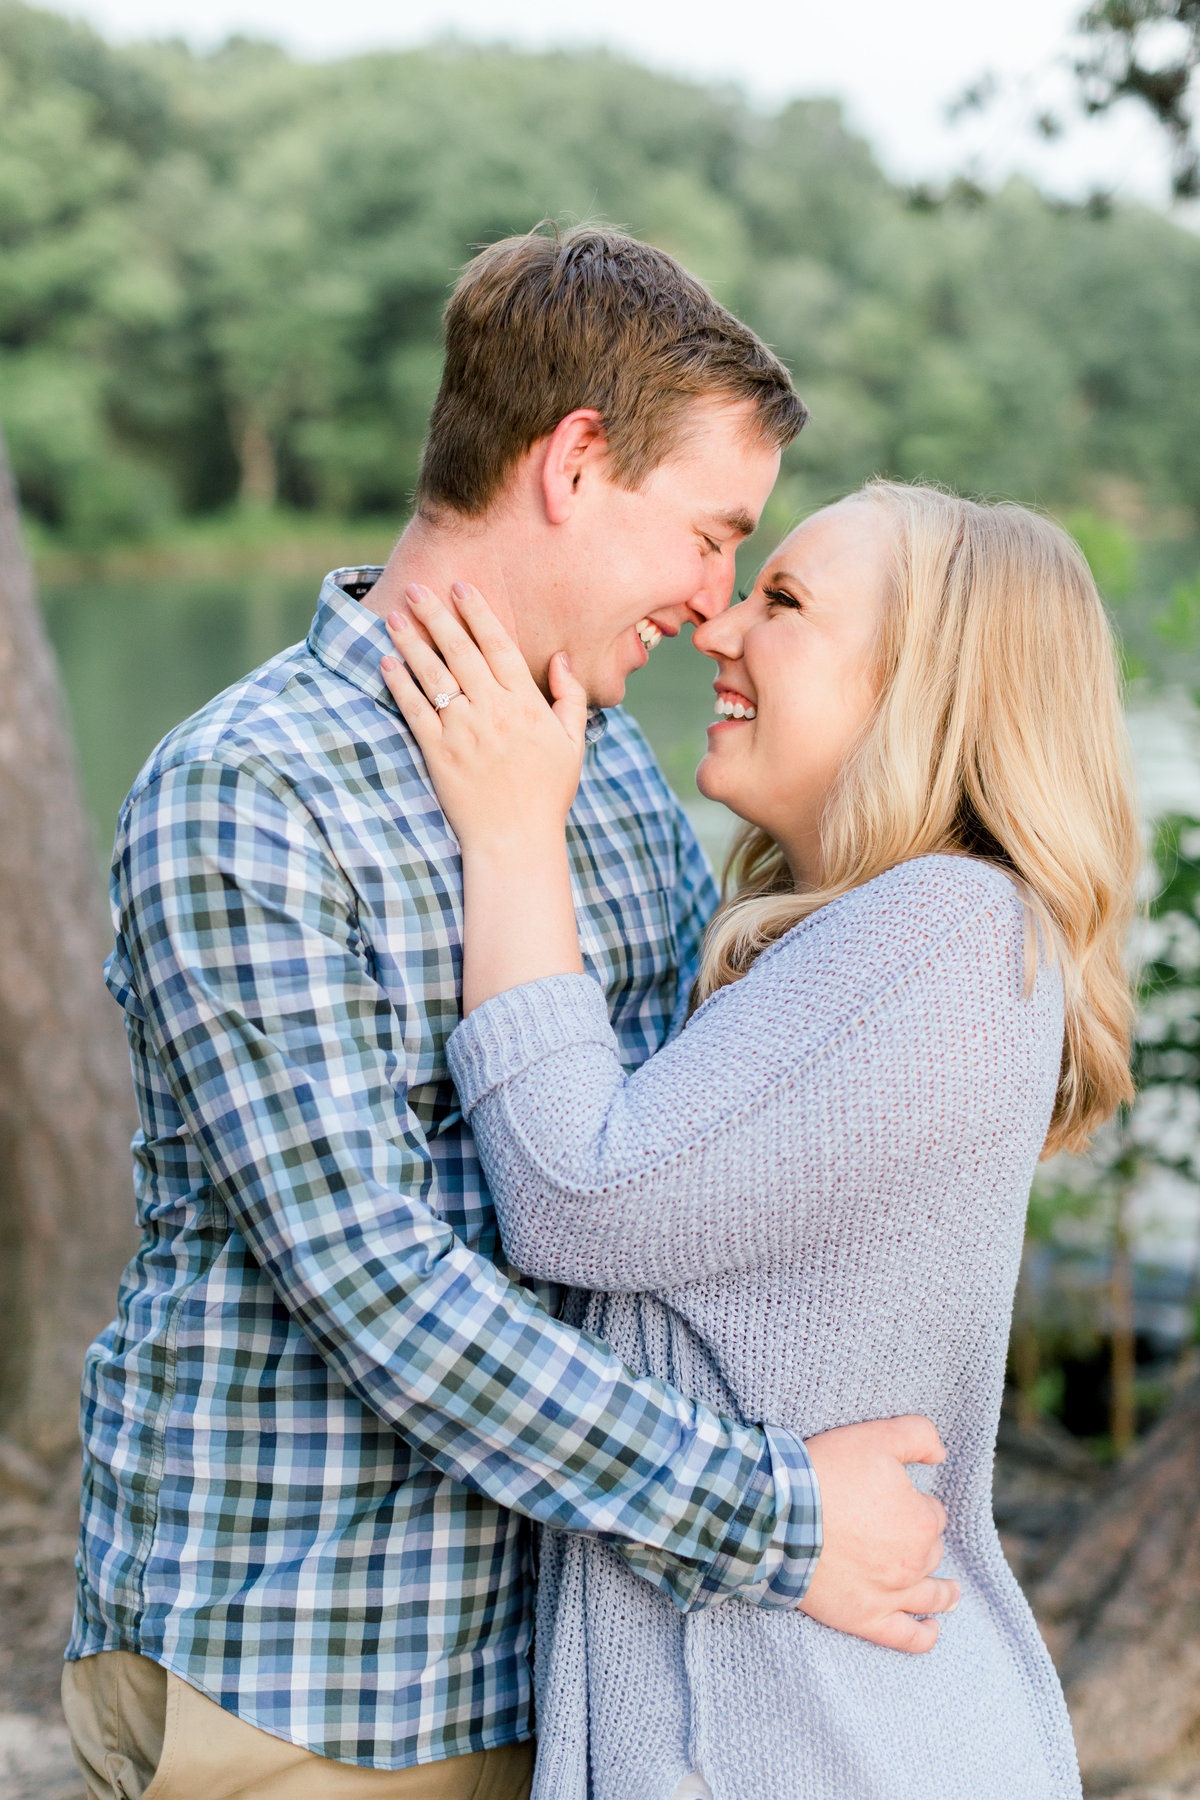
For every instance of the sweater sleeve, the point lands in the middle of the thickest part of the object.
(699, 1162)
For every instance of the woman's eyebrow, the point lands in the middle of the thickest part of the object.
(776, 575)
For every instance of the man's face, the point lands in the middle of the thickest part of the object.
(663, 553)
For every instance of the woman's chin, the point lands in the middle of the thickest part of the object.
(714, 783)
(708, 779)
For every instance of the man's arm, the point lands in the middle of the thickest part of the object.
(289, 1064)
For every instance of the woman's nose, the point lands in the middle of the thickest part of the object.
(720, 637)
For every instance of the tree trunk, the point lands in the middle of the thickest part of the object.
(1121, 1612)
(259, 485)
(1025, 1354)
(1123, 1403)
(66, 1108)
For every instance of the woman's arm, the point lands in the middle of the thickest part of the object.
(698, 1163)
(506, 766)
(850, 1050)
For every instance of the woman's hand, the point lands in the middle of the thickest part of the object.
(505, 766)
(504, 763)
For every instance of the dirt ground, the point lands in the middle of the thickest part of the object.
(38, 1515)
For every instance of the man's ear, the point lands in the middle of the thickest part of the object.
(575, 447)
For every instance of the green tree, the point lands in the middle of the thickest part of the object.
(221, 277)
(1148, 50)
(76, 122)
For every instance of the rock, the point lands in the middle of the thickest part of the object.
(36, 1761)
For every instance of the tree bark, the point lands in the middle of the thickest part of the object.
(66, 1104)
(1025, 1355)
(1120, 1610)
(259, 484)
(1123, 1403)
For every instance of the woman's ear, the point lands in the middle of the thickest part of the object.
(574, 450)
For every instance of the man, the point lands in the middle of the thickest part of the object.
(316, 1431)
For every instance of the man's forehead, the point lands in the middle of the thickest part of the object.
(722, 469)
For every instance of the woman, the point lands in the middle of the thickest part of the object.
(810, 1205)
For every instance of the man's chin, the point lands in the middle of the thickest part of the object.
(606, 693)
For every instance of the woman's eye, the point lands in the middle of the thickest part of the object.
(777, 597)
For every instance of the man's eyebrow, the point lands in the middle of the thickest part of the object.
(738, 521)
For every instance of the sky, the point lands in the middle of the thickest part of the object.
(896, 64)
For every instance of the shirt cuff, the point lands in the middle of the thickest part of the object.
(795, 1546)
(512, 1031)
(778, 1579)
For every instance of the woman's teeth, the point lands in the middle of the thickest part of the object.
(729, 708)
(649, 633)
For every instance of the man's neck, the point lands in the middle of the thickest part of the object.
(435, 557)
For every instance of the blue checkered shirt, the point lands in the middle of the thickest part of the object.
(323, 1416)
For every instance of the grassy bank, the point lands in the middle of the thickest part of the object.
(237, 542)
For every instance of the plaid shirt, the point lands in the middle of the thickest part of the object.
(316, 1429)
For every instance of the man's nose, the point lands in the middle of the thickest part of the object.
(714, 597)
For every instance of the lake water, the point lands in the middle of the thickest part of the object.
(139, 656)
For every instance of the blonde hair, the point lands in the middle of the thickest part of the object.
(997, 732)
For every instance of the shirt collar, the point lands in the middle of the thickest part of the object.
(349, 640)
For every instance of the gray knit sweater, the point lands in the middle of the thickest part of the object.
(807, 1209)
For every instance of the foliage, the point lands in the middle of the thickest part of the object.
(221, 277)
(1164, 1123)
(1102, 1203)
(1149, 51)
(1162, 1127)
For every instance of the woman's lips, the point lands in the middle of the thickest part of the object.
(732, 705)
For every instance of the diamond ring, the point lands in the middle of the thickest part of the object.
(442, 701)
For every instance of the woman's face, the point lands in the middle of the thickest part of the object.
(796, 656)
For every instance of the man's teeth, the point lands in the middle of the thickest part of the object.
(649, 633)
(729, 708)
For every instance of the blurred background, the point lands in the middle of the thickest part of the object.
(227, 230)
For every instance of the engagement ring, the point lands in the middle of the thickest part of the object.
(441, 701)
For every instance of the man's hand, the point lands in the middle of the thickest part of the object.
(882, 1539)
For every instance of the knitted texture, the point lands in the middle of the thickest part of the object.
(808, 1208)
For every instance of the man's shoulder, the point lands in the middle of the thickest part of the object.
(291, 717)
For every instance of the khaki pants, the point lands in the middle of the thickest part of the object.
(140, 1733)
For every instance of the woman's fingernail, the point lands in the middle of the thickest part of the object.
(397, 621)
(566, 661)
(415, 594)
(459, 590)
(389, 663)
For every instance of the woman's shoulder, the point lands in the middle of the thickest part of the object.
(942, 932)
(928, 897)
(944, 891)
(909, 917)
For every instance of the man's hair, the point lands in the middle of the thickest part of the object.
(540, 325)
